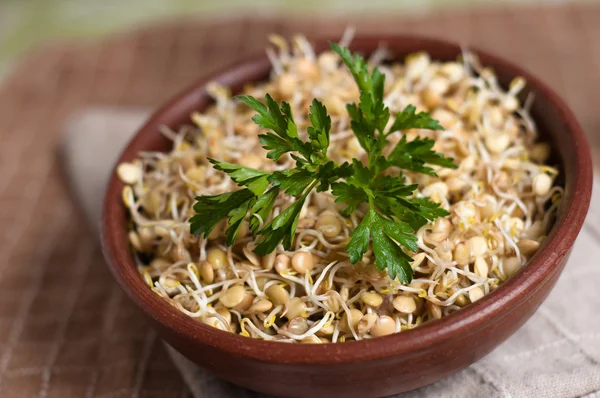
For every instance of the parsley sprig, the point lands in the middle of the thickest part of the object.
(394, 213)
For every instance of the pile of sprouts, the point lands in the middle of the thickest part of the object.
(502, 201)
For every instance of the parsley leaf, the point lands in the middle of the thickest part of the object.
(371, 84)
(276, 146)
(236, 217)
(321, 125)
(262, 208)
(388, 237)
(393, 187)
(272, 116)
(210, 210)
(363, 131)
(281, 228)
(280, 120)
(350, 195)
(414, 155)
(330, 172)
(294, 181)
(393, 211)
(423, 210)
(384, 193)
(408, 119)
(255, 180)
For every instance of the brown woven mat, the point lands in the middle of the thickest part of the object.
(65, 328)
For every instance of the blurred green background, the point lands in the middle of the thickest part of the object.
(26, 23)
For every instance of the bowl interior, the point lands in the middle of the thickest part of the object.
(555, 122)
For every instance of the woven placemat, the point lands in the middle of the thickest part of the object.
(66, 330)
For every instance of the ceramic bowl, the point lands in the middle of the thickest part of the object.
(380, 366)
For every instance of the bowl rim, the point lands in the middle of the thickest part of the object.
(508, 297)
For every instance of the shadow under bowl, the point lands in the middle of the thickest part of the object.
(385, 365)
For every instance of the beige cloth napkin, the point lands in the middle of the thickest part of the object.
(556, 354)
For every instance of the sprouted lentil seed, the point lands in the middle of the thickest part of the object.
(502, 200)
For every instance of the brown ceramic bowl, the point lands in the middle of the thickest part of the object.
(384, 365)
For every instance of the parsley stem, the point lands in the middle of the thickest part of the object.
(371, 202)
(310, 188)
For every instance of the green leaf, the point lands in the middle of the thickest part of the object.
(255, 180)
(408, 119)
(262, 207)
(389, 256)
(402, 233)
(363, 131)
(239, 174)
(281, 229)
(291, 129)
(284, 135)
(321, 126)
(388, 237)
(378, 83)
(356, 189)
(361, 176)
(276, 146)
(430, 210)
(264, 118)
(352, 196)
(271, 116)
(371, 86)
(304, 148)
(236, 217)
(417, 211)
(374, 111)
(269, 241)
(393, 187)
(360, 71)
(330, 172)
(414, 155)
(294, 181)
(370, 115)
(210, 210)
(280, 120)
(360, 238)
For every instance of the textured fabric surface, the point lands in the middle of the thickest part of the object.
(66, 330)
